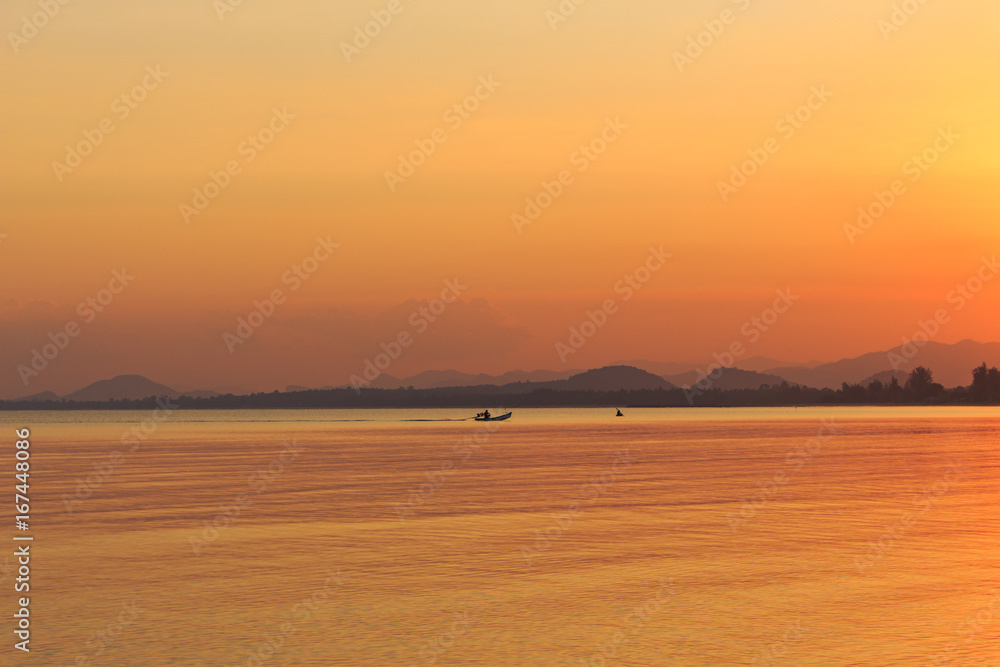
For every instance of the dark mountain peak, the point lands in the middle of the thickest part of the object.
(951, 364)
(728, 378)
(614, 378)
(132, 387)
(41, 397)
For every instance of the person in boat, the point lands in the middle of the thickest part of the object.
(619, 413)
(486, 415)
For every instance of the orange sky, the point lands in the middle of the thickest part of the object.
(609, 67)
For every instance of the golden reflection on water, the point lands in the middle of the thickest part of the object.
(561, 537)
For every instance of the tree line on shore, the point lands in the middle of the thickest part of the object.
(921, 388)
(918, 389)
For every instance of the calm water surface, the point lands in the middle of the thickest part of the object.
(561, 537)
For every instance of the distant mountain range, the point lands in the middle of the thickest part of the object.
(123, 387)
(729, 378)
(757, 364)
(951, 364)
(610, 378)
(44, 396)
(437, 379)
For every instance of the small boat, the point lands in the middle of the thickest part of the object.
(498, 418)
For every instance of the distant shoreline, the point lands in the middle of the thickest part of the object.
(475, 398)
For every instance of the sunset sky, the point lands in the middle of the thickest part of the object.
(198, 81)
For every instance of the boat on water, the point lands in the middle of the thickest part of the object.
(491, 418)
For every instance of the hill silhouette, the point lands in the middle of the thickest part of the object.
(951, 364)
(446, 378)
(611, 386)
(40, 397)
(610, 378)
(730, 378)
(126, 387)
